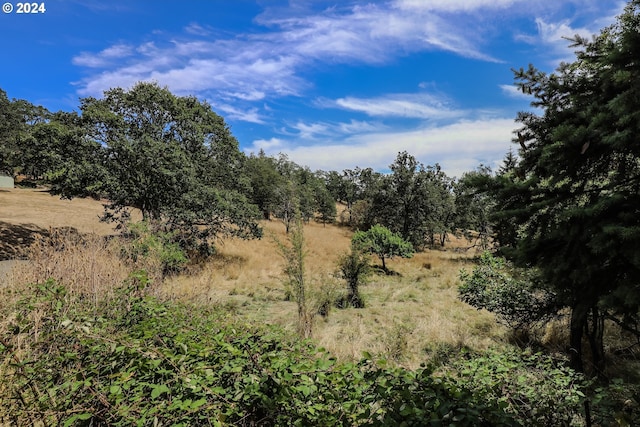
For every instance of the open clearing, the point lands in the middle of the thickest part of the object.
(408, 316)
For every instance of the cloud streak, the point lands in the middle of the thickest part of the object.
(245, 75)
(269, 62)
(417, 106)
(458, 147)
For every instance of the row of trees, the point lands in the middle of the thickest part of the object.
(176, 161)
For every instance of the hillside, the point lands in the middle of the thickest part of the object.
(407, 314)
(25, 212)
(412, 317)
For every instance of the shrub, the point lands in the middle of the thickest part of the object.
(354, 268)
(152, 249)
(492, 287)
(383, 242)
(535, 389)
(140, 361)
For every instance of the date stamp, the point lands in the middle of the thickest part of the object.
(24, 8)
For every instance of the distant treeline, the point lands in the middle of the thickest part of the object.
(175, 159)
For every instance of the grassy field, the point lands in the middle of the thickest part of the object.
(409, 316)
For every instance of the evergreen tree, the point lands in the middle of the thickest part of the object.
(575, 192)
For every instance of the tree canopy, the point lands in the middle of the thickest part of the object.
(574, 194)
(383, 242)
(172, 158)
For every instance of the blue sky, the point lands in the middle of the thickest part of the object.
(333, 84)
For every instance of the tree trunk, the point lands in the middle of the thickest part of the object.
(384, 267)
(579, 314)
(594, 330)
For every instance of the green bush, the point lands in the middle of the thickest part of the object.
(146, 246)
(131, 359)
(535, 389)
(493, 287)
(144, 362)
(383, 242)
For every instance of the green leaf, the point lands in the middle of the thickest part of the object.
(158, 390)
(78, 417)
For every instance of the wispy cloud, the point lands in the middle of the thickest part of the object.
(419, 106)
(197, 29)
(512, 91)
(105, 57)
(270, 62)
(455, 6)
(554, 36)
(250, 115)
(270, 145)
(459, 146)
(310, 133)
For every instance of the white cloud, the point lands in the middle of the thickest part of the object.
(358, 127)
(556, 34)
(270, 62)
(251, 115)
(512, 91)
(265, 144)
(421, 106)
(250, 95)
(197, 29)
(309, 131)
(104, 57)
(458, 147)
(454, 5)
(553, 36)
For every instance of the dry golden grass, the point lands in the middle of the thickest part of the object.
(39, 209)
(87, 265)
(406, 315)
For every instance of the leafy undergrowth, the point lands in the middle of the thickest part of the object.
(132, 359)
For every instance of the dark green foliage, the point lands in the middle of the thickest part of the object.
(299, 191)
(17, 144)
(354, 268)
(138, 361)
(415, 201)
(347, 188)
(573, 196)
(475, 207)
(381, 241)
(145, 243)
(9, 121)
(514, 300)
(265, 181)
(326, 206)
(535, 389)
(172, 158)
(78, 169)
